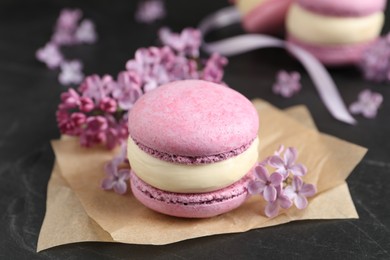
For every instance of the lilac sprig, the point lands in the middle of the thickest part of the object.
(284, 186)
(69, 30)
(97, 111)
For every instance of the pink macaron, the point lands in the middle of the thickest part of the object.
(336, 32)
(263, 16)
(192, 147)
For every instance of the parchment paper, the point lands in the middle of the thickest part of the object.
(77, 210)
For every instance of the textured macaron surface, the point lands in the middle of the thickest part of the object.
(344, 7)
(193, 118)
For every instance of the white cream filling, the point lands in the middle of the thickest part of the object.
(183, 178)
(320, 29)
(245, 6)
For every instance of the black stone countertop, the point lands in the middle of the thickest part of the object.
(29, 94)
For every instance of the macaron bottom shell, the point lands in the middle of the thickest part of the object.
(191, 205)
(334, 55)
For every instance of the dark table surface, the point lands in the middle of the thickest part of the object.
(29, 94)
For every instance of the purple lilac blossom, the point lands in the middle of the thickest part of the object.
(298, 191)
(186, 43)
(50, 55)
(117, 179)
(375, 62)
(265, 184)
(66, 27)
(287, 84)
(149, 11)
(71, 72)
(285, 185)
(86, 32)
(287, 163)
(281, 201)
(367, 104)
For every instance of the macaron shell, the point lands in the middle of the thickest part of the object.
(334, 55)
(193, 118)
(267, 17)
(344, 7)
(197, 206)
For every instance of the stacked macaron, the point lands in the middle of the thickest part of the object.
(263, 16)
(337, 32)
(191, 148)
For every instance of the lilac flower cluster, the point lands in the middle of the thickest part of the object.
(69, 30)
(149, 11)
(287, 84)
(375, 62)
(284, 186)
(97, 110)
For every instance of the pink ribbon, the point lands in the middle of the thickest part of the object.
(239, 44)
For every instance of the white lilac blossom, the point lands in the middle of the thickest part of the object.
(97, 111)
(375, 61)
(149, 11)
(287, 84)
(367, 104)
(284, 186)
(71, 72)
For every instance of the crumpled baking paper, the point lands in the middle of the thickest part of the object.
(79, 211)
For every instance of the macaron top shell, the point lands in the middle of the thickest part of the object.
(193, 118)
(344, 7)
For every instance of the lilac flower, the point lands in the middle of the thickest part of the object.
(71, 72)
(183, 68)
(66, 27)
(375, 62)
(265, 184)
(287, 84)
(68, 19)
(281, 201)
(298, 192)
(96, 124)
(50, 55)
(108, 105)
(127, 90)
(367, 104)
(116, 179)
(149, 11)
(96, 88)
(186, 43)
(86, 104)
(86, 33)
(153, 65)
(287, 163)
(213, 70)
(70, 99)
